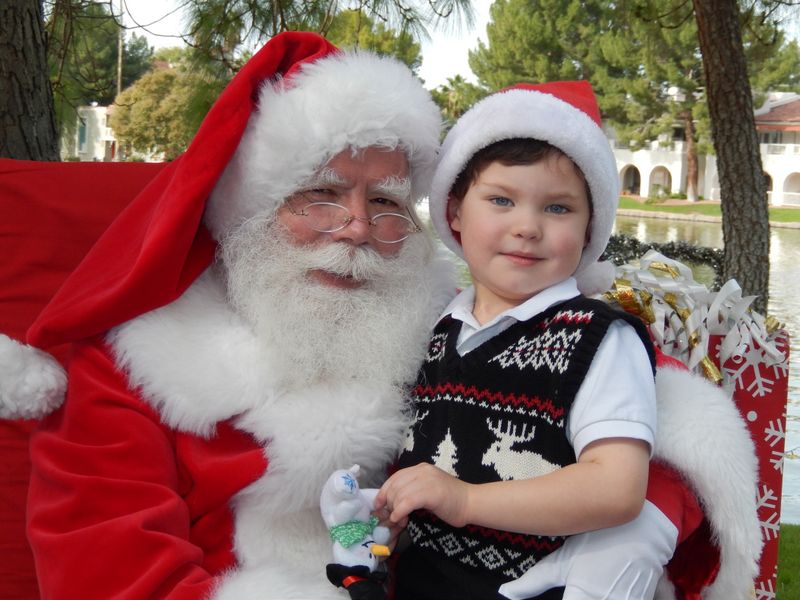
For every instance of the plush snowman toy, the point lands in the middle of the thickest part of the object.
(358, 540)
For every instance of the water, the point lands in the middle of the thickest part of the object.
(784, 304)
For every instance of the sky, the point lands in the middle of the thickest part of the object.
(444, 56)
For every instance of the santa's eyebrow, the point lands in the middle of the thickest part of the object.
(393, 187)
(397, 188)
(326, 177)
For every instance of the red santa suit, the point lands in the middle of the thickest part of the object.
(177, 467)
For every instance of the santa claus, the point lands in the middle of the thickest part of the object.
(245, 327)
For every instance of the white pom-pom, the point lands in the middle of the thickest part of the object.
(595, 278)
(32, 382)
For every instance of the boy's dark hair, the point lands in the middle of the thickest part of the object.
(510, 152)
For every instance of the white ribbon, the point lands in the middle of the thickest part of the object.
(687, 314)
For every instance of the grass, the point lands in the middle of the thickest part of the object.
(788, 585)
(776, 214)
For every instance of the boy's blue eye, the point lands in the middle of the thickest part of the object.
(558, 209)
(501, 201)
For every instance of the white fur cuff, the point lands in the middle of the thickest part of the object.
(32, 382)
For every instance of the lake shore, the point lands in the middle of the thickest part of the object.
(688, 215)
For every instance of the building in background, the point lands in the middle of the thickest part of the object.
(92, 139)
(661, 170)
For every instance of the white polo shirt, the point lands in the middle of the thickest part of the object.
(617, 398)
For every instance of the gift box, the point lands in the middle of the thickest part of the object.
(716, 334)
(759, 380)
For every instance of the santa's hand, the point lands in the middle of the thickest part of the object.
(617, 563)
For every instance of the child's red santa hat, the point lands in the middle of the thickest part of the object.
(562, 113)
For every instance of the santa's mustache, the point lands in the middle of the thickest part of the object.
(345, 260)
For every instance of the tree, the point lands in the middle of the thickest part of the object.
(220, 28)
(353, 28)
(26, 99)
(535, 40)
(745, 219)
(456, 96)
(82, 55)
(160, 113)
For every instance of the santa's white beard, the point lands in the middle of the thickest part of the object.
(313, 332)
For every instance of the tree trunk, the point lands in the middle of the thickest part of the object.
(745, 219)
(27, 120)
(691, 158)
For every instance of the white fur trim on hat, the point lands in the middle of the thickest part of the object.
(526, 113)
(596, 278)
(352, 99)
(32, 383)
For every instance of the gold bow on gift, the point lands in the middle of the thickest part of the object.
(682, 314)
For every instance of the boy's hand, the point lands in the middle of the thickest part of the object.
(424, 486)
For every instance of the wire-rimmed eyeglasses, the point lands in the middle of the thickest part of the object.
(328, 217)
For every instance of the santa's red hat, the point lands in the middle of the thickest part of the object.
(562, 113)
(295, 104)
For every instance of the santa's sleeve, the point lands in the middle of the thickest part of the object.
(107, 516)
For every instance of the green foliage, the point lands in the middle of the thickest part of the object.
(353, 28)
(535, 40)
(161, 112)
(706, 263)
(456, 96)
(222, 28)
(82, 56)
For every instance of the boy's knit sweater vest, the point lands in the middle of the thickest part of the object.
(499, 413)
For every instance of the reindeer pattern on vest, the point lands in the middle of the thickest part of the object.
(499, 413)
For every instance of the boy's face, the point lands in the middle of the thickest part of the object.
(523, 228)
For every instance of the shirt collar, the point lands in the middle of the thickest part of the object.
(460, 307)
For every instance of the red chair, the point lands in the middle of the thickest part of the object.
(50, 215)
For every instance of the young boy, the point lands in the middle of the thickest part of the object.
(535, 408)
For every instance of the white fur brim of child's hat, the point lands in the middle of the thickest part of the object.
(525, 112)
(351, 99)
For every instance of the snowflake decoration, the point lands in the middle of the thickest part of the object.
(774, 433)
(765, 590)
(766, 498)
(770, 527)
(736, 369)
(767, 506)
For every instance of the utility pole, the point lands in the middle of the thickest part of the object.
(120, 45)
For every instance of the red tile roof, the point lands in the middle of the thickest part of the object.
(782, 113)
